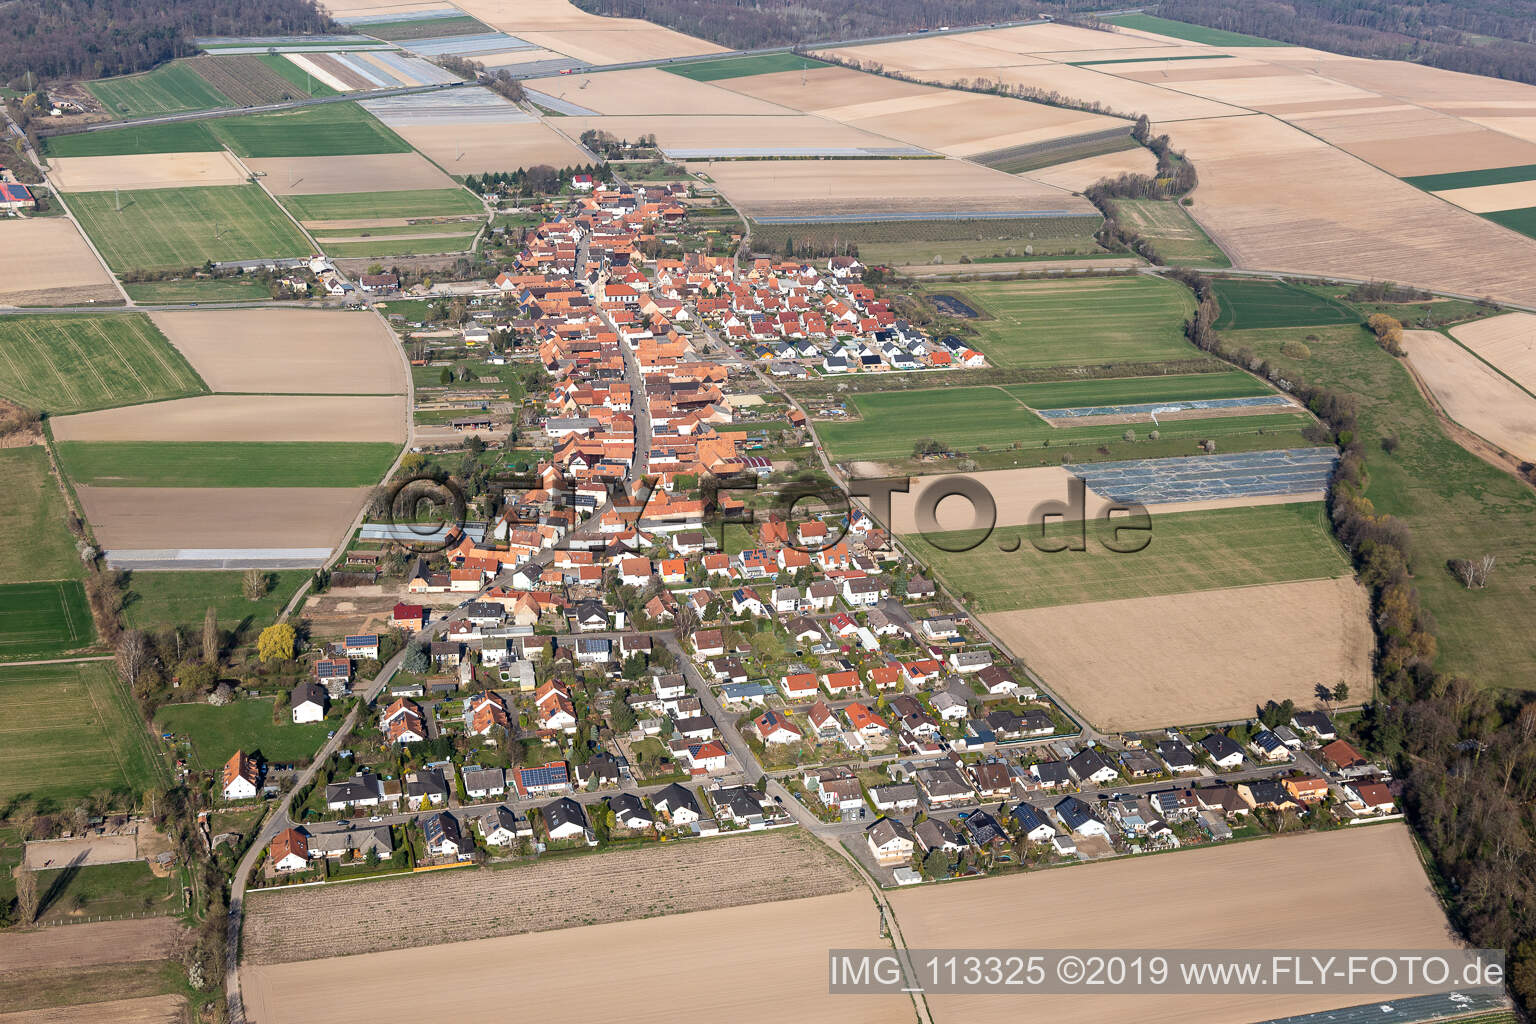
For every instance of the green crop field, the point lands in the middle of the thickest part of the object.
(44, 620)
(1247, 304)
(334, 129)
(301, 80)
(212, 735)
(64, 364)
(159, 599)
(434, 202)
(174, 137)
(70, 730)
(106, 890)
(34, 542)
(168, 89)
(171, 228)
(1184, 30)
(1189, 551)
(1454, 504)
(918, 241)
(420, 28)
(1067, 323)
(974, 419)
(1473, 179)
(226, 463)
(1523, 221)
(399, 247)
(1172, 232)
(224, 289)
(1171, 387)
(742, 67)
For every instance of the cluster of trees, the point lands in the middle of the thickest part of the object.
(1467, 752)
(1388, 331)
(1459, 35)
(499, 81)
(611, 147)
(538, 179)
(98, 38)
(992, 86)
(1173, 177)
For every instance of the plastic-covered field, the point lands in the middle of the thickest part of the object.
(1257, 402)
(1204, 477)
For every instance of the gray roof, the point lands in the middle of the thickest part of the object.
(887, 829)
(675, 796)
(306, 692)
(564, 811)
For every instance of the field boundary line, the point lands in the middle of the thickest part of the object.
(106, 732)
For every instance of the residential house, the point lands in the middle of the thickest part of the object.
(362, 790)
(500, 826)
(1316, 724)
(1177, 756)
(402, 722)
(1342, 756)
(1223, 750)
(242, 776)
(944, 786)
(1078, 818)
(774, 727)
(738, 803)
(1031, 823)
(799, 686)
(894, 797)
(984, 831)
(363, 647)
(565, 819)
(427, 786)
(932, 834)
(1091, 768)
(480, 783)
(1370, 797)
(629, 812)
(890, 842)
(308, 702)
(289, 850)
(1307, 789)
(678, 805)
(444, 836)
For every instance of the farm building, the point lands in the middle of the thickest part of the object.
(16, 196)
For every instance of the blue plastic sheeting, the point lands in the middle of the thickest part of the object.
(379, 18)
(1203, 477)
(1257, 402)
(483, 42)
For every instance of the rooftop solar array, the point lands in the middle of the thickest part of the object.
(1203, 477)
(1154, 408)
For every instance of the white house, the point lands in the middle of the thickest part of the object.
(308, 702)
(890, 842)
(241, 774)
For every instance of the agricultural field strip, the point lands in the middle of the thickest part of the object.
(79, 351)
(1176, 405)
(168, 228)
(1201, 477)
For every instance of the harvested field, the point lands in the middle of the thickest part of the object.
(654, 91)
(1516, 195)
(562, 892)
(561, 26)
(468, 149)
(328, 175)
(1407, 141)
(1079, 174)
(144, 1010)
(1207, 656)
(157, 170)
(1326, 212)
(882, 188)
(1365, 885)
(788, 134)
(1017, 493)
(817, 91)
(291, 351)
(1474, 394)
(44, 261)
(89, 945)
(220, 517)
(1508, 342)
(781, 945)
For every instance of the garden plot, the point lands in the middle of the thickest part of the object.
(1366, 889)
(44, 261)
(801, 190)
(1473, 394)
(243, 418)
(157, 170)
(1205, 656)
(1508, 342)
(330, 175)
(727, 136)
(287, 350)
(654, 91)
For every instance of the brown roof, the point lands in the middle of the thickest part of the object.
(1342, 754)
(289, 840)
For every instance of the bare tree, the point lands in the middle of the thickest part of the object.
(132, 657)
(26, 893)
(211, 636)
(254, 582)
(1483, 569)
(1464, 571)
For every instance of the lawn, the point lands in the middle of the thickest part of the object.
(742, 67)
(173, 137)
(334, 129)
(223, 289)
(1172, 231)
(168, 89)
(976, 419)
(64, 364)
(1189, 551)
(432, 202)
(37, 545)
(1454, 504)
(1065, 323)
(1184, 30)
(226, 463)
(302, 80)
(172, 228)
(214, 734)
(67, 893)
(1473, 179)
(157, 599)
(70, 730)
(1259, 304)
(44, 620)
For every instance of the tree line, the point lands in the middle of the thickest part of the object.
(63, 39)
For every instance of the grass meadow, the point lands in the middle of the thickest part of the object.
(1172, 231)
(1069, 323)
(1260, 304)
(334, 129)
(171, 228)
(70, 730)
(227, 289)
(295, 75)
(432, 202)
(106, 890)
(226, 463)
(65, 364)
(1189, 551)
(172, 598)
(172, 137)
(36, 544)
(742, 67)
(211, 735)
(412, 246)
(1193, 33)
(168, 89)
(45, 619)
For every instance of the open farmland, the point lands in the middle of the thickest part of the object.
(1473, 394)
(168, 89)
(330, 175)
(1127, 390)
(64, 364)
(1172, 232)
(1067, 169)
(44, 262)
(1184, 30)
(243, 418)
(1508, 342)
(39, 545)
(1207, 656)
(564, 28)
(44, 620)
(364, 207)
(197, 289)
(210, 736)
(288, 350)
(778, 946)
(149, 170)
(475, 131)
(1063, 323)
(167, 229)
(164, 1009)
(252, 79)
(334, 129)
(72, 730)
(564, 892)
(940, 242)
(123, 969)
(1249, 304)
(221, 518)
(1190, 551)
(741, 67)
(226, 463)
(168, 137)
(1366, 890)
(652, 91)
(693, 137)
